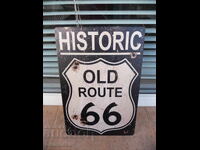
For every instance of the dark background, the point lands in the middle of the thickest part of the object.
(65, 60)
(21, 75)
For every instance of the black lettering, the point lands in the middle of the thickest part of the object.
(94, 93)
(98, 77)
(82, 90)
(84, 76)
(99, 92)
(110, 89)
(118, 90)
(109, 76)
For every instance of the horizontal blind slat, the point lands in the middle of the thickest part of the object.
(50, 61)
(55, 64)
(52, 31)
(145, 71)
(58, 90)
(112, 12)
(57, 76)
(92, 2)
(96, 22)
(147, 91)
(55, 59)
(57, 85)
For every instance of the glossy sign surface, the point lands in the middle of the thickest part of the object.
(100, 71)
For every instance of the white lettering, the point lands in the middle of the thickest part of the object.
(62, 41)
(93, 38)
(82, 40)
(105, 33)
(132, 38)
(127, 40)
(106, 41)
(73, 40)
(118, 41)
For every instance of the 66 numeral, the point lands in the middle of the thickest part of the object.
(85, 114)
(106, 115)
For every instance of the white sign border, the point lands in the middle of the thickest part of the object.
(130, 95)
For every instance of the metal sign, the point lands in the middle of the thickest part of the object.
(100, 71)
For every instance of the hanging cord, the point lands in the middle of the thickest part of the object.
(77, 16)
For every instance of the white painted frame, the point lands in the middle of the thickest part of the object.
(56, 99)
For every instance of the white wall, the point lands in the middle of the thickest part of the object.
(55, 99)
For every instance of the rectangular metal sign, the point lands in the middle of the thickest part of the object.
(100, 69)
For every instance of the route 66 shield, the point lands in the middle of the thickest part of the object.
(100, 88)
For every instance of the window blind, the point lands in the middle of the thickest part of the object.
(57, 13)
